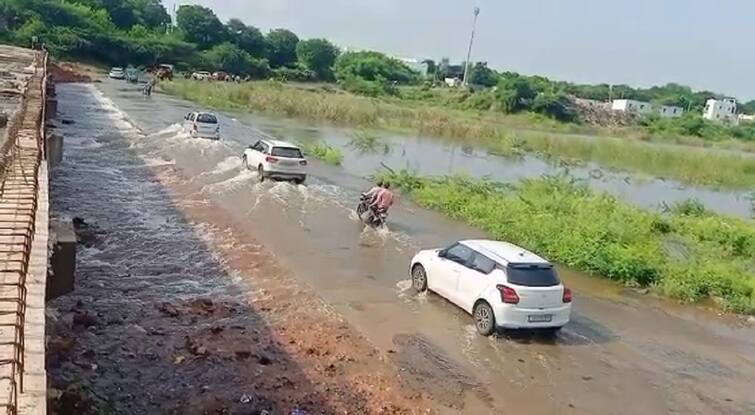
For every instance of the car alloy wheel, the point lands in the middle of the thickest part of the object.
(484, 319)
(419, 278)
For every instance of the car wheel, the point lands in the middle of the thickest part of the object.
(261, 172)
(484, 319)
(419, 278)
(300, 180)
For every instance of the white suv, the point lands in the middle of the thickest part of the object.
(276, 159)
(202, 124)
(500, 284)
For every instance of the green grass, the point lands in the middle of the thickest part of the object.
(368, 142)
(687, 253)
(322, 151)
(505, 134)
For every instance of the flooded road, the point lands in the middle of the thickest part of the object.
(622, 353)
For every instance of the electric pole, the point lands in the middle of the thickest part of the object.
(469, 51)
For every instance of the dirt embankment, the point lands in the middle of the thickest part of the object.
(272, 347)
(72, 72)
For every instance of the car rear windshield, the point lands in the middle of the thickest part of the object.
(532, 275)
(286, 152)
(207, 119)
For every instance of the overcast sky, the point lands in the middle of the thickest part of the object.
(707, 44)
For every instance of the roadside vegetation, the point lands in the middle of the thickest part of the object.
(686, 253)
(500, 133)
(322, 151)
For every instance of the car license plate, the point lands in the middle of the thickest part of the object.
(288, 163)
(539, 318)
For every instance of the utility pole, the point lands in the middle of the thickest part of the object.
(469, 51)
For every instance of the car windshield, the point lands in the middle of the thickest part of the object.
(286, 152)
(532, 275)
(207, 119)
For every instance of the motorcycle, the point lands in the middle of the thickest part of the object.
(370, 215)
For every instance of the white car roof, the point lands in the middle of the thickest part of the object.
(504, 252)
(279, 143)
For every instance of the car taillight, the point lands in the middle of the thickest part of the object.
(302, 162)
(567, 295)
(508, 294)
(271, 159)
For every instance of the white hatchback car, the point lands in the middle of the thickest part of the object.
(276, 159)
(202, 125)
(117, 73)
(500, 284)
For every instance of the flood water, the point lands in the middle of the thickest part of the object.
(622, 353)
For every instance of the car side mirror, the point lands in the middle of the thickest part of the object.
(442, 253)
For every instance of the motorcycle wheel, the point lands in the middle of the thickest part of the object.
(361, 208)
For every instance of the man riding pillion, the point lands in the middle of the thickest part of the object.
(371, 194)
(384, 199)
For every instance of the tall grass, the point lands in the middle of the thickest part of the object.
(500, 133)
(367, 142)
(322, 151)
(687, 254)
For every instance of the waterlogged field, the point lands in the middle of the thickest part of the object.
(502, 134)
(687, 253)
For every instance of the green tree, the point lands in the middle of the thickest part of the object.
(514, 93)
(151, 13)
(200, 25)
(555, 105)
(230, 58)
(748, 107)
(374, 66)
(246, 37)
(121, 12)
(432, 69)
(480, 74)
(318, 55)
(282, 47)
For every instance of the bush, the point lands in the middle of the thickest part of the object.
(297, 74)
(375, 67)
(554, 105)
(362, 86)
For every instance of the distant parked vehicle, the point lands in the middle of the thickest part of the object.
(501, 285)
(201, 76)
(202, 125)
(117, 73)
(220, 76)
(163, 72)
(277, 160)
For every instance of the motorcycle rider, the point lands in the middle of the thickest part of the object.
(384, 198)
(371, 194)
(148, 88)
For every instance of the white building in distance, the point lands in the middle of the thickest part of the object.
(721, 110)
(646, 108)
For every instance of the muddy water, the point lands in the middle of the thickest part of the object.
(621, 354)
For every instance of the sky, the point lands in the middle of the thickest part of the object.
(705, 44)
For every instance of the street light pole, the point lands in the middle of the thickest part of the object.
(469, 51)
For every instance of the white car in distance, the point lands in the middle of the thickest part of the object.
(501, 285)
(276, 160)
(202, 125)
(201, 76)
(117, 73)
